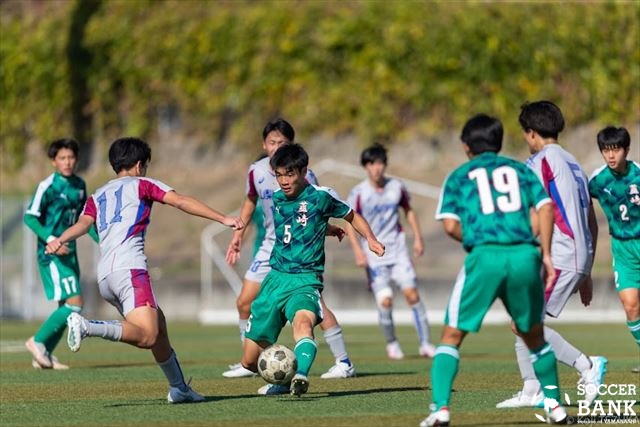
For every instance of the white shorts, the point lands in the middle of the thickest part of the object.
(565, 285)
(260, 265)
(402, 273)
(128, 289)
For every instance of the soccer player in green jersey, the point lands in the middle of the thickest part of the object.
(485, 204)
(616, 186)
(291, 290)
(56, 205)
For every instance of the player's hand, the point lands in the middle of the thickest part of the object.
(334, 230)
(234, 222)
(549, 272)
(233, 251)
(418, 248)
(53, 246)
(586, 291)
(376, 247)
(361, 259)
(64, 250)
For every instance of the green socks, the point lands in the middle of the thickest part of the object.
(634, 328)
(443, 372)
(52, 329)
(305, 351)
(546, 369)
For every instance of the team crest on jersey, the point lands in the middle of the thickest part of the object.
(635, 194)
(302, 209)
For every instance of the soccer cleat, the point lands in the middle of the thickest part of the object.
(238, 371)
(55, 364)
(593, 376)
(340, 370)
(437, 418)
(557, 415)
(39, 353)
(299, 385)
(177, 395)
(636, 370)
(427, 350)
(394, 352)
(274, 389)
(521, 400)
(77, 331)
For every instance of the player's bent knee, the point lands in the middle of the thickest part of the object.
(384, 298)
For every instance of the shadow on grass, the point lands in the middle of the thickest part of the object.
(381, 374)
(163, 402)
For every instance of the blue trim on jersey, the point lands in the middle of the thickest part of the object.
(555, 195)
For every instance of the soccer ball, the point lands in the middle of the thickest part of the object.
(277, 364)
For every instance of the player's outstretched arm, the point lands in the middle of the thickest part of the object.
(418, 243)
(246, 212)
(72, 233)
(545, 224)
(358, 253)
(195, 207)
(335, 231)
(453, 228)
(362, 227)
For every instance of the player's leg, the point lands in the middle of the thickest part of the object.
(179, 390)
(254, 276)
(380, 282)
(61, 283)
(522, 295)
(264, 326)
(335, 340)
(626, 270)
(248, 293)
(473, 294)
(404, 274)
(591, 369)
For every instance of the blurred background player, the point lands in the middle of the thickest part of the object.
(485, 204)
(572, 248)
(616, 185)
(261, 184)
(379, 199)
(121, 210)
(292, 288)
(56, 205)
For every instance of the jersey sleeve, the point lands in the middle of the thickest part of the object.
(405, 198)
(448, 202)
(40, 199)
(151, 189)
(251, 190)
(336, 208)
(90, 208)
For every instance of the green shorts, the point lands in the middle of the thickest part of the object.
(511, 273)
(281, 296)
(61, 278)
(626, 263)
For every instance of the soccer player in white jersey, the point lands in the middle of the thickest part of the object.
(379, 200)
(261, 184)
(572, 247)
(121, 210)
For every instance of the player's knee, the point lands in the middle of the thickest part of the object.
(148, 341)
(384, 298)
(243, 304)
(412, 297)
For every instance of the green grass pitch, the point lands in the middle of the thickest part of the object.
(117, 385)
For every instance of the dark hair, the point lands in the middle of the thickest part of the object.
(126, 152)
(613, 136)
(280, 125)
(58, 144)
(372, 154)
(482, 133)
(290, 157)
(542, 117)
